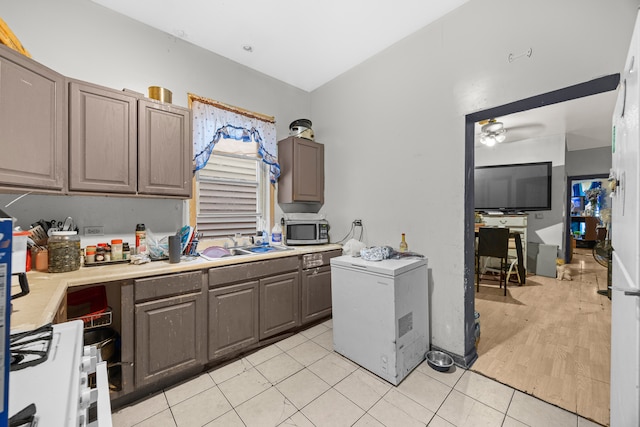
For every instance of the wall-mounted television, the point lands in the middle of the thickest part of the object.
(513, 188)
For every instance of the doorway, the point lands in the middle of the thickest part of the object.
(596, 86)
(585, 218)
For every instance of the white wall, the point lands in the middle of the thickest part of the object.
(393, 127)
(83, 40)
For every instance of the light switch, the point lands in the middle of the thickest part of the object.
(539, 215)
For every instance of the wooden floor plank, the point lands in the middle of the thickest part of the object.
(550, 338)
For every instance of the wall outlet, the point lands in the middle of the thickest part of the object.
(539, 215)
(96, 230)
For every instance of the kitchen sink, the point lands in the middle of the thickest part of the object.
(217, 252)
(259, 249)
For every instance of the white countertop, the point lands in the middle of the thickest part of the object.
(47, 290)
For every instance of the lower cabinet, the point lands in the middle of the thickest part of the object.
(316, 293)
(278, 304)
(170, 326)
(233, 318)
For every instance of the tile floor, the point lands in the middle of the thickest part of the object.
(300, 381)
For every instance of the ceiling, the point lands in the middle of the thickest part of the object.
(307, 43)
(585, 122)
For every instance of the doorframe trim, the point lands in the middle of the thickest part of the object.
(580, 90)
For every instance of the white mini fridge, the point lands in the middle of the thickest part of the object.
(381, 313)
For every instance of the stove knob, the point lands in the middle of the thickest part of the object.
(87, 397)
(84, 379)
(88, 364)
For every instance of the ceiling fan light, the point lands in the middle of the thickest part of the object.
(501, 137)
(490, 141)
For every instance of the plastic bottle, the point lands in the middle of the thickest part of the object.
(141, 239)
(276, 235)
(116, 249)
(403, 245)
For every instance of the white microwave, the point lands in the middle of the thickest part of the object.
(306, 232)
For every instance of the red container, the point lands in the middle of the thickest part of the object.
(87, 304)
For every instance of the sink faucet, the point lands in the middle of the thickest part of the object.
(235, 238)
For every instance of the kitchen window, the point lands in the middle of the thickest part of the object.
(235, 162)
(232, 195)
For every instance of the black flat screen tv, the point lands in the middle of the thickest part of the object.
(513, 188)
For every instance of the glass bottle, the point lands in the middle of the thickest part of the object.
(63, 251)
(403, 245)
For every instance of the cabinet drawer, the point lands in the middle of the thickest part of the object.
(506, 221)
(252, 270)
(164, 286)
(318, 259)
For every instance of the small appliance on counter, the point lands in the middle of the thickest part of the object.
(305, 229)
(301, 128)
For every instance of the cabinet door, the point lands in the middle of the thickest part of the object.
(308, 158)
(233, 318)
(302, 163)
(33, 124)
(316, 293)
(170, 337)
(102, 139)
(164, 149)
(278, 304)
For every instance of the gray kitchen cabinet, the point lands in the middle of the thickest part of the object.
(251, 301)
(103, 138)
(164, 149)
(33, 121)
(170, 326)
(233, 317)
(315, 276)
(279, 304)
(302, 171)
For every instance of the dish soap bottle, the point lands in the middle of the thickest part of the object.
(403, 245)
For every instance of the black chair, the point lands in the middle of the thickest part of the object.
(493, 242)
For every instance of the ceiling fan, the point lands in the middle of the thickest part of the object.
(492, 132)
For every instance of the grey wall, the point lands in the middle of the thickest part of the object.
(393, 127)
(588, 162)
(83, 40)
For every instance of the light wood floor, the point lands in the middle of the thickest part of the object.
(550, 338)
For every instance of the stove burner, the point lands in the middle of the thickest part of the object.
(16, 358)
(30, 348)
(25, 418)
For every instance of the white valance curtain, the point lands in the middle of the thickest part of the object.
(217, 129)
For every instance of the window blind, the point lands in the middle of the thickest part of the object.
(228, 196)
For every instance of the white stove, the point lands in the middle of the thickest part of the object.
(49, 379)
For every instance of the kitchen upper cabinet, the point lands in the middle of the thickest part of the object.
(170, 326)
(302, 171)
(164, 149)
(103, 137)
(233, 317)
(33, 124)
